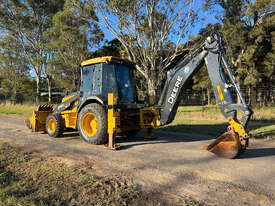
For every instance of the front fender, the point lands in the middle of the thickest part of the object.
(92, 99)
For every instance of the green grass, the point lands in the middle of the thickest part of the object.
(257, 128)
(24, 110)
(213, 113)
(208, 120)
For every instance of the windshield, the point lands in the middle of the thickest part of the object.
(125, 88)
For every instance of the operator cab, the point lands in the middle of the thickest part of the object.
(100, 76)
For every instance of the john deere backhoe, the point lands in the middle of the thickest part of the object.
(107, 101)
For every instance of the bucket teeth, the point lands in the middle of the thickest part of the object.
(45, 107)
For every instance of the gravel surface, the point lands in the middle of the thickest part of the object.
(172, 164)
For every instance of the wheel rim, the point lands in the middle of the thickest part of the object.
(52, 126)
(89, 124)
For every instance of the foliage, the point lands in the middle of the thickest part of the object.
(24, 22)
(72, 34)
(248, 28)
(14, 70)
(45, 41)
(111, 48)
(145, 29)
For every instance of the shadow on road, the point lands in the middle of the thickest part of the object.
(255, 153)
(183, 133)
(216, 129)
(70, 134)
(203, 129)
(124, 147)
(161, 137)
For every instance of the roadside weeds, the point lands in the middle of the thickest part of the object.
(27, 179)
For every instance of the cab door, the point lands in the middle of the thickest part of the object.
(109, 80)
(87, 81)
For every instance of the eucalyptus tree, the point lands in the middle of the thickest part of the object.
(12, 68)
(73, 34)
(248, 28)
(110, 48)
(144, 27)
(25, 21)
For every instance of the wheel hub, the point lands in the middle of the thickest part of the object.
(89, 124)
(52, 126)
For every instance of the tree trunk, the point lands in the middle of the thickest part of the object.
(208, 97)
(151, 91)
(254, 97)
(37, 100)
(249, 95)
(238, 97)
(204, 96)
(49, 90)
(265, 96)
(259, 97)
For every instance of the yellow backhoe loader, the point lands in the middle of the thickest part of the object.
(107, 101)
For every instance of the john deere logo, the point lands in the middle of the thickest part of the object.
(173, 95)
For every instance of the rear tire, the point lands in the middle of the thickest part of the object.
(92, 124)
(54, 125)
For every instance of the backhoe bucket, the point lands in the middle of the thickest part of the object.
(227, 145)
(37, 122)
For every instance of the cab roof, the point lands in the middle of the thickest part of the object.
(106, 59)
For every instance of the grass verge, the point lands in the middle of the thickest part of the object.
(26, 180)
(208, 120)
(213, 113)
(193, 119)
(24, 110)
(258, 129)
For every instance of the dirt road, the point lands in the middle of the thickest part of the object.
(172, 164)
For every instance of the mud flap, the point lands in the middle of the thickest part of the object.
(228, 145)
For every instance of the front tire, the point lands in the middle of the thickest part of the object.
(54, 125)
(92, 124)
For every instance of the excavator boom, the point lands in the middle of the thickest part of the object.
(211, 52)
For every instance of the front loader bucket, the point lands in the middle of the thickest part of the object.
(37, 122)
(227, 145)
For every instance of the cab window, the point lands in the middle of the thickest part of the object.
(125, 87)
